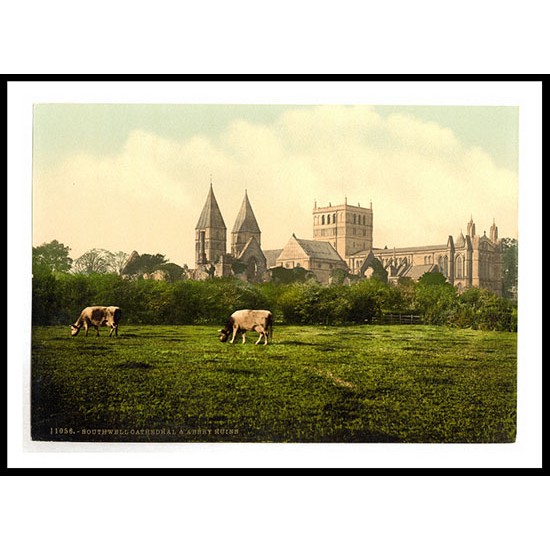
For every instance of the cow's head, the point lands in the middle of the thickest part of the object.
(74, 330)
(224, 335)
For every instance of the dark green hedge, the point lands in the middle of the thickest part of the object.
(59, 298)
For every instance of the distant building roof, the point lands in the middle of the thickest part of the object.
(271, 256)
(362, 253)
(416, 271)
(319, 250)
(409, 249)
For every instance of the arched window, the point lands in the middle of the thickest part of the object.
(334, 218)
(459, 269)
(446, 265)
(355, 218)
(323, 219)
(440, 264)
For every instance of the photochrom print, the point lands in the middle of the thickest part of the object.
(336, 273)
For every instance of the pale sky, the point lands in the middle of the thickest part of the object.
(127, 177)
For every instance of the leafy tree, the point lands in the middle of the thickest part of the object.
(119, 261)
(435, 298)
(96, 260)
(509, 268)
(53, 256)
(46, 297)
(173, 271)
(139, 264)
(367, 299)
(433, 279)
(282, 275)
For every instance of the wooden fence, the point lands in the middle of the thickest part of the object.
(397, 319)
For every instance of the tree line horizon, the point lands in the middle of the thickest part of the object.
(61, 288)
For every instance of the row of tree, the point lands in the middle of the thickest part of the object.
(54, 257)
(58, 298)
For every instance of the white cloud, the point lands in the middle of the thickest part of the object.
(424, 184)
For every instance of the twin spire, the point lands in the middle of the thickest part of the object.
(211, 216)
(213, 229)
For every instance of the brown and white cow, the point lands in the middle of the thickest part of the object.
(97, 316)
(260, 320)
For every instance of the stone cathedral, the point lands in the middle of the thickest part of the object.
(342, 239)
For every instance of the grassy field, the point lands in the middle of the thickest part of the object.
(312, 384)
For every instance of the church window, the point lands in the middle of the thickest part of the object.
(323, 219)
(364, 220)
(355, 218)
(459, 267)
(334, 218)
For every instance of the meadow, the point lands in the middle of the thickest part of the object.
(360, 383)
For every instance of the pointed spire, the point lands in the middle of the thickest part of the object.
(471, 228)
(494, 232)
(211, 215)
(246, 221)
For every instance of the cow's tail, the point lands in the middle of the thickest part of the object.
(270, 326)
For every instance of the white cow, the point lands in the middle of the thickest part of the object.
(97, 316)
(260, 320)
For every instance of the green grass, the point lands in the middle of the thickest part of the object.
(312, 384)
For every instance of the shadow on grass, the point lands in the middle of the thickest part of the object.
(295, 343)
(134, 365)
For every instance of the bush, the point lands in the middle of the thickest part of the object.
(58, 298)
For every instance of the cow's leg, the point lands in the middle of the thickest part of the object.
(244, 337)
(258, 340)
(265, 337)
(96, 330)
(234, 333)
(112, 330)
(86, 328)
(116, 330)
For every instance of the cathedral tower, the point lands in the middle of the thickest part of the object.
(347, 228)
(210, 233)
(245, 228)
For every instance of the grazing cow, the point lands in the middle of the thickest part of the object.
(242, 320)
(97, 316)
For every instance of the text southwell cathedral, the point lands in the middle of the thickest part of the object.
(342, 239)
